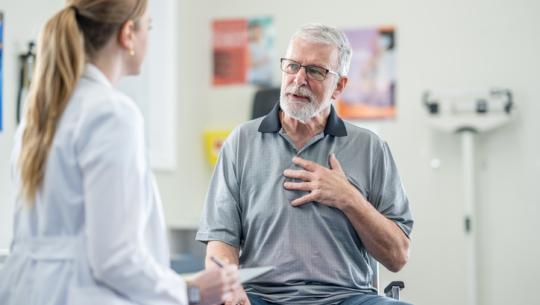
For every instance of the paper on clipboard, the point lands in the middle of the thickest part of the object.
(247, 274)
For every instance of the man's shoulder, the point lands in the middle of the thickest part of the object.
(361, 133)
(251, 126)
(247, 129)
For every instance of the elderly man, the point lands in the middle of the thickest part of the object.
(306, 192)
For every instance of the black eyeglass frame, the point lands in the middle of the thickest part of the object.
(307, 67)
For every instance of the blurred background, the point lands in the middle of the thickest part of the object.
(439, 45)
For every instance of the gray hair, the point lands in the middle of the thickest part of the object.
(320, 33)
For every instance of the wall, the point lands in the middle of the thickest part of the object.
(20, 26)
(446, 45)
(441, 44)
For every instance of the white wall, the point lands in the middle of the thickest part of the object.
(20, 26)
(441, 44)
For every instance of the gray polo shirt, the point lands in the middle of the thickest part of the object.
(318, 255)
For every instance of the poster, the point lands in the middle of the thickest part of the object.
(1, 68)
(213, 140)
(371, 89)
(243, 51)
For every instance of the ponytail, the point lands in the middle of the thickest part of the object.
(78, 31)
(59, 64)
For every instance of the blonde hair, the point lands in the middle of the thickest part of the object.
(71, 36)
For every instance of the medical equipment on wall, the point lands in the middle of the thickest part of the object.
(26, 62)
(479, 111)
(467, 113)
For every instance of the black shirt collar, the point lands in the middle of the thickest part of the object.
(334, 125)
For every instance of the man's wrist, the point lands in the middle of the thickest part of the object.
(352, 201)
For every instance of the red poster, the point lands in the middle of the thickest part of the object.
(230, 48)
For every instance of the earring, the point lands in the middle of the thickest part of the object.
(131, 52)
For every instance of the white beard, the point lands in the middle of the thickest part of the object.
(301, 111)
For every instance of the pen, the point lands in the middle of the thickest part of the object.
(217, 262)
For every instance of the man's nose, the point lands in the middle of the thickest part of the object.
(300, 78)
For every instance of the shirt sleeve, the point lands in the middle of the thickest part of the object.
(388, 194)
(221, 217)
(111, 156)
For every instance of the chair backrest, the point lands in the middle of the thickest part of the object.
(264, 101)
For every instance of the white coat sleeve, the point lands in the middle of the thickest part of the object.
(110, 146)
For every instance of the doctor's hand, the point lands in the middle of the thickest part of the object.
(242, 299)
(328, 186)
(218, 285)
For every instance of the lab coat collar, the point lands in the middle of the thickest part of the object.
(94, 73)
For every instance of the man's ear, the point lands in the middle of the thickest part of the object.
(126, 35)
(341, 83)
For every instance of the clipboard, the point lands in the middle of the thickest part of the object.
(248, 274)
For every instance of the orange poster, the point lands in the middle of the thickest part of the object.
(230, 51)
(243, 51)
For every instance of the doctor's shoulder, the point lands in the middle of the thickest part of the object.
(106, 109)
(97, 102)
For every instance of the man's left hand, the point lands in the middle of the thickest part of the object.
(328, 186)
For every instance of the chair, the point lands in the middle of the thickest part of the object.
(393, 289)
(264, 101)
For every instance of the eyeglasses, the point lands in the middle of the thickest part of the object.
(313, 72)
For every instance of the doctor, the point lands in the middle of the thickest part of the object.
(89, 226)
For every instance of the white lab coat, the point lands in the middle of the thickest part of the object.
(96, 234)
